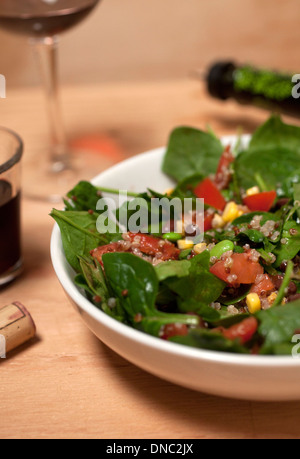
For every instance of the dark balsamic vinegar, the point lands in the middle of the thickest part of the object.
(10, 231)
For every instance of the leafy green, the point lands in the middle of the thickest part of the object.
(185, 188)
(240, 293)
(278, 324)
(273, 153)
(296, 196)
(275, 164)
(198, 289)
(172, 268)
(95, 280)
(184, 254)
(291, 246)
(79, 234)
(284, 285)
(205, 339)
(128, 273)
(84, 196)
(191, 151)
(275, 133)
(252, 234)
(246, 218)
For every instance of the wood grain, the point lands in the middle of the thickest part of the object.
(140, 40)
(66, 383)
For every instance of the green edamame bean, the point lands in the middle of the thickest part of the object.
(173, 237)
(221, 248)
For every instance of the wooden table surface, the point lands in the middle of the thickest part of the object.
(66, 383)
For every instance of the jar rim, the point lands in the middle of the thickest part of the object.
(16, 157)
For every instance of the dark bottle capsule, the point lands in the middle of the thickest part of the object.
(252, 86)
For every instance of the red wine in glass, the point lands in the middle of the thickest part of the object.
(43, 21)
(43, 18)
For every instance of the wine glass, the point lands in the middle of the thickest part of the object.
(43, 21)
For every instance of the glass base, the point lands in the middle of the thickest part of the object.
(51, 183)
(11, 274)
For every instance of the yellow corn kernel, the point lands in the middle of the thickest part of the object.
(271, 298)
(217, 222)
(240, 212)
(169, 191)
(253, 302)
(199, 248)
(185, 244)
(252, 191)
(231, 212)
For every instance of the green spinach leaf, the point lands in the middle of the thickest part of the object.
(185, 188)
(274, 133)
(278, 325)
(180, 268)
(94, 277)
(191, 151)
(197, 290)
(205, 339)
(79, 234)
(134, 282)
(274, 164)
(289, 245)
(84, 196)
(274, 154)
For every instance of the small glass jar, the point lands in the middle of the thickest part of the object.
(11, 150)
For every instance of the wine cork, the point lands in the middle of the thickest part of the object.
(16, 327)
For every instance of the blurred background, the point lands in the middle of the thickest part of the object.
(136, 40)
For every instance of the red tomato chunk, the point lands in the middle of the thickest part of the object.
(260, 201)
(208, 191)
(242, 271)
(148, 245)
(175, 329)
(243, 331)
(263, 285)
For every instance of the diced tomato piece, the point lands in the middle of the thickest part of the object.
(208, 218)
(242, 331)
(175, 329)
(151, 245)
(223, 175)
(208, 191)
(262, 285)
(148, 245)
(109, 248)
(242, 267)
(261, 201)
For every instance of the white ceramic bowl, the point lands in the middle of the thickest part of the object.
(230, 375)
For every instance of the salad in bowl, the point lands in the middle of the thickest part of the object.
(224, 276)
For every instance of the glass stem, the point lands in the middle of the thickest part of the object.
(47, 55)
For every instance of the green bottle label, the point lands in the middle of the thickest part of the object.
(270, 85)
